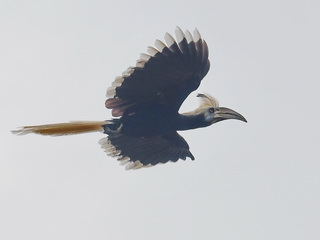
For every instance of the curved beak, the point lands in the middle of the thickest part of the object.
(222, 113)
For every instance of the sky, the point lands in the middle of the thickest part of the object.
(255, 180)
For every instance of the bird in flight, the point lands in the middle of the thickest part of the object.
(145, 102)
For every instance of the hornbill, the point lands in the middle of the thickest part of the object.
(145, 103)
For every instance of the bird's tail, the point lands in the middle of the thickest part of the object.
(60, 129)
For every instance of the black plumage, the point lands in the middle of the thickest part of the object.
(145, 103)
(147, 99)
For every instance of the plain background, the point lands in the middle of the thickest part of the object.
(258, 180)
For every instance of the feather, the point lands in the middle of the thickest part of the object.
(59, 129)
(206, 101)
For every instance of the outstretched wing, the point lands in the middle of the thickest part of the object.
(146, 151)
(166, 75)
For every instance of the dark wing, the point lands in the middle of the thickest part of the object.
(146, 151)
(167, 75)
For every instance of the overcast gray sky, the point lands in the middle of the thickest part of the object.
(251, 181)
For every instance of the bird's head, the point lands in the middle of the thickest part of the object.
(212, 113)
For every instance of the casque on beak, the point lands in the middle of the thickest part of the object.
(222, 113)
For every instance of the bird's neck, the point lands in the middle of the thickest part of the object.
(187, 122)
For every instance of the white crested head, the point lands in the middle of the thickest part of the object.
(206, 101)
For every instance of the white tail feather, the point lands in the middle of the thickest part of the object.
(60, 129)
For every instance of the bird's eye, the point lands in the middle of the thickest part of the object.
(211, 110)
